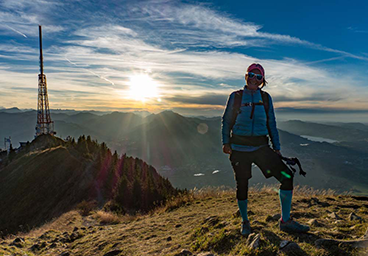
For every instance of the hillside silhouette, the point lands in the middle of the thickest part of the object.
(50, 176)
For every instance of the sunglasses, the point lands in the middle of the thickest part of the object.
(251, 75)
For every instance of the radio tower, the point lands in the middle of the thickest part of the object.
(44, 123)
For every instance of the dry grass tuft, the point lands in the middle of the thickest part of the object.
(206, 192)
(298, 190)
(65, 222)
(189, 196)
(309, 191)
(107, 217)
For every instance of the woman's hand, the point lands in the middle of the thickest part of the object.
(226, 148)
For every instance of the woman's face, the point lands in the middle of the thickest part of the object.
(253, 83)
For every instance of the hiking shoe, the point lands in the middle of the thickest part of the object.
(245, 228)
(291, 226)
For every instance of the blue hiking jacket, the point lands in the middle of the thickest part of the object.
(244, 126)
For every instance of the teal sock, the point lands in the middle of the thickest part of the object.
(285, 201)
(243, 205)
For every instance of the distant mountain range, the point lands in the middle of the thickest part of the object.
(70, 111)
(188, 150)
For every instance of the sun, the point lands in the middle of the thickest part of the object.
(143, 87)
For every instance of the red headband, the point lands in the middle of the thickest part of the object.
(256, 66)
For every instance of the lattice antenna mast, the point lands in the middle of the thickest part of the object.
(44, 123)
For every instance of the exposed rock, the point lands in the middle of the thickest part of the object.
(113, 253)
(288, 246)
(212, 220)
(314, 223)
(184, 252)
(353, 216)
(253, 240)
(333, 215)
(18, 242)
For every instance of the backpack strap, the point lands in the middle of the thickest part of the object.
(236, 106)
(266, 104)
(266, 101)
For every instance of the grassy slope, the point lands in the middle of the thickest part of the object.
(188, 229)
(20, 194)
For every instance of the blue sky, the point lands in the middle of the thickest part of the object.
(184, 55)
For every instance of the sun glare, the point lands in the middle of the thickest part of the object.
(143, 87)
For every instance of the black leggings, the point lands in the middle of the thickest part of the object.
(267, 160)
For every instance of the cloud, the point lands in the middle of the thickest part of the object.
(321, 110)
(357, 30)
(190, 50)
(23, 17)
(207, 99)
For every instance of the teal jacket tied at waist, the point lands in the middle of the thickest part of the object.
(244, 126)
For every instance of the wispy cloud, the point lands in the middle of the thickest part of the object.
(190, 50)
(16, 31)
(357, 30)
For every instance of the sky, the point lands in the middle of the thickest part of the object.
(186, 56)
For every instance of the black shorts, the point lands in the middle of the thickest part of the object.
(265, 158)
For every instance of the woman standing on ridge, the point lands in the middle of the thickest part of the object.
(246, 119)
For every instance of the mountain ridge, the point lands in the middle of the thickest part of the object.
(50, 176)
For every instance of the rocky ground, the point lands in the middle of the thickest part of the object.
(206, 223)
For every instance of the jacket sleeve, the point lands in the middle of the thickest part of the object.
(226, 119)
(274, 134)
